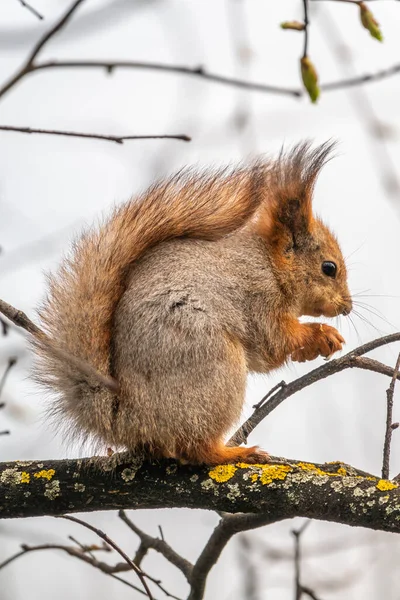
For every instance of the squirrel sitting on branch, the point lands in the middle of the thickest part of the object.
(155, 319)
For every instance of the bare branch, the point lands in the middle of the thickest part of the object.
(11, 362)
(4, 327)
(111, 543)
(147, 541)
(29, 64)
(31, 9)
(19, 318)
(95, 136)
(349, 361)
(226, 528)
(80, 554)
(361, 79)
(389, 421)
(297, 533)
(199, 72)
(52, 32)
(306, 24)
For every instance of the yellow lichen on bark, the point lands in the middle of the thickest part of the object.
(223, 473)
(384, 485)
(25, 477)
(45, 474)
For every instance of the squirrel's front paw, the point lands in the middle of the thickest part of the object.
(320, 340)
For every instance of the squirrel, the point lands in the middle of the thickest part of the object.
(153, 322)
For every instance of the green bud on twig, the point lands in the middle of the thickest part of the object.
(369, 22)
(295, 25)
(309, 76)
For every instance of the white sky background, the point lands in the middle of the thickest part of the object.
(50, 187)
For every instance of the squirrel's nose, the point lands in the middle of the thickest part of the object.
(347, 309)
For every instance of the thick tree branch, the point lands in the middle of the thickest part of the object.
(332, 492)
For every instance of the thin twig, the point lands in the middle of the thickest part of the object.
(29, 64)
(306, 24)
(310, 593)
(111, 543)
(20, 319)
(31, 9)
(278, 386)
(344, 1)
(4, 327)
(147, 541)
(101, 566)
(199, 72)
(109, 138)
(297, 533)
(389, 421)
(11, 362)
(351, 360)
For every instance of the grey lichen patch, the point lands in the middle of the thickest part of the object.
(25, 463)
(234, 491)
(337, 485)
(27, 494)
(350, 482)
(79, 487)
(360, 493)
(209, 485)
(75, 475)
(194, 478)
(128, 475)
(171, 469)
(383, 499)
(52, 489)
(13, 476)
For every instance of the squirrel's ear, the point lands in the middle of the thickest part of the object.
(287, 209)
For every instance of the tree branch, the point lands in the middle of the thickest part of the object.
(332, 492)
(285, 390)
(306, 25)
(389, 421)
(160, 546)
(111, 543)
(29, 64)
(96, 136)
(199, 72)
(31, 9)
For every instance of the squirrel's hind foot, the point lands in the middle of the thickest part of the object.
(220, 454)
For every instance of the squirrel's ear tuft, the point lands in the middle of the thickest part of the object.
(288, 203)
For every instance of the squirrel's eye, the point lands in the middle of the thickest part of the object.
(329, 268)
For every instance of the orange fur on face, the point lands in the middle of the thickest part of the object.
(298, 242)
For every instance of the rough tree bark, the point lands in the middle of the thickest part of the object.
(280, 490)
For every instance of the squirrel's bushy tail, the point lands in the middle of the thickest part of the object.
(83, 294)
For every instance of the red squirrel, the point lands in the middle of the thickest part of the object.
(156, 317)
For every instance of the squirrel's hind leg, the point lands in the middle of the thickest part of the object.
(219, 454)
